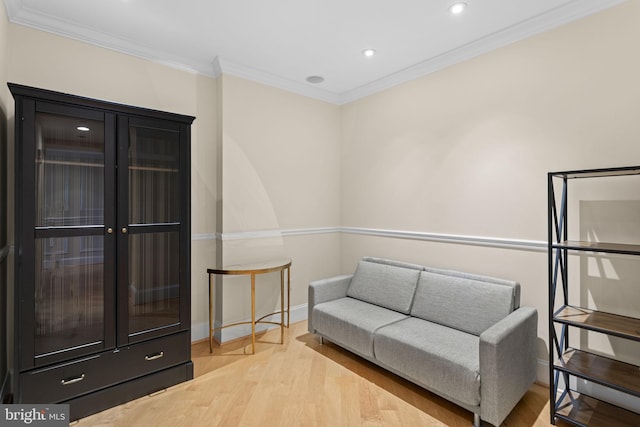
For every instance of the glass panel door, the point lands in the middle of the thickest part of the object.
(154, 281)
(153, 217)
(69, 171)
(72, 267)
(69, 293)
(154, 166)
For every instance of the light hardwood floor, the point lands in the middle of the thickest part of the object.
(300, 383)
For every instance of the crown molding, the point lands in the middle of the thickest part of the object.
(570, 11)
(268, 79)
(25, 16)
(217, 67)
(557, 17)
(12, 7)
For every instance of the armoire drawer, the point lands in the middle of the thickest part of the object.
(67, 380)
(63, 381)
(153, 355)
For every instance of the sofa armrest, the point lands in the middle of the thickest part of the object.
(326, 290)
(507, 363)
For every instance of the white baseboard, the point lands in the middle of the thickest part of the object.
(542, 372)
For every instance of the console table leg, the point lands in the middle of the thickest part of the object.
(281, 306)
(210, 314)
(253, 313)
(288, 296)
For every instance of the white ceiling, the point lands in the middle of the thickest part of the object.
(281, 42)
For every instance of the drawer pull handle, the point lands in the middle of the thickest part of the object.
(154, 356)
(69, 381)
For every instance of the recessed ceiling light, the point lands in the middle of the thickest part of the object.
(369, 52)
(457, 8)
(83, 129)
(315, 79)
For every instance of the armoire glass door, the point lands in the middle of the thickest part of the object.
(73, 252)
(152, 228)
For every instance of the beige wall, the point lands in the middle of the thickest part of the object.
(204, 196)
(262, 159)
(462, 152)
(280, 171)
(281, 159)
(465, 151)
(39, 59)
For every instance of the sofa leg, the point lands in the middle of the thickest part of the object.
(476, 420)
(321, 341)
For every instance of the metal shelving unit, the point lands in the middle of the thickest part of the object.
(565, 361)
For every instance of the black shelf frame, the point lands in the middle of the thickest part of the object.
(561, 319)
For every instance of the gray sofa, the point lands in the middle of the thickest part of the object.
(461, 336)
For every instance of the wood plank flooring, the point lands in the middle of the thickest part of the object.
(299, 383)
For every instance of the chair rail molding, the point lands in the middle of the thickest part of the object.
(500, 242)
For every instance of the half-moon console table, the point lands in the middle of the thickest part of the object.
(253, 269)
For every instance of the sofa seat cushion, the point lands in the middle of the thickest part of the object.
(352, 323)
(385, 285)
(465, 303)
(439, 357)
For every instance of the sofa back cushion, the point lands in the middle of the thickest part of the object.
(385, 285)
(466, 302)
(394, 263)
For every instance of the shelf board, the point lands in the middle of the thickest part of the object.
(586, 411)
(595, 173)
(608, 372)
(616, 248)
(599, 321)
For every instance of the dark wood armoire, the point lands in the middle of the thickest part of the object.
(101, 287)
